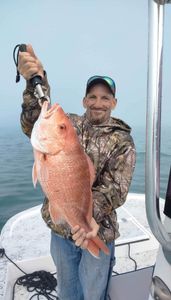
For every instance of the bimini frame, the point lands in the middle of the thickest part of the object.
(154, 96)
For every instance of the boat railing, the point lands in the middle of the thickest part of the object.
(153, 121)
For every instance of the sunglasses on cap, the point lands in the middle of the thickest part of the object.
(109, 81)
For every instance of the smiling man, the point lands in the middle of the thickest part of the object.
(108, 143)
(100, 99)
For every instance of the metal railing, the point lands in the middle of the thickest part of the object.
(153, 121)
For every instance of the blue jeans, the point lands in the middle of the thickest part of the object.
(80, 276)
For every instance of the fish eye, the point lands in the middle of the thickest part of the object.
(62, 126)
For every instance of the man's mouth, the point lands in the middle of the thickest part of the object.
(98, 109)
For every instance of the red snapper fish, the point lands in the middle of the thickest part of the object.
(64, 172)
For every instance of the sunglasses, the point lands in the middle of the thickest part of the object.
(107, 79)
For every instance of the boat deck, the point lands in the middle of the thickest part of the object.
(25, 237)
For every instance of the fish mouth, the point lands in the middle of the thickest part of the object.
(48, 112)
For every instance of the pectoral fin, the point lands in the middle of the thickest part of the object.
(55, 214)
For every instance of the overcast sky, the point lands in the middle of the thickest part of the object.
(76, 39)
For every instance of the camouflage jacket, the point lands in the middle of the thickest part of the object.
(111, 149)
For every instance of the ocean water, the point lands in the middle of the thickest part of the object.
(16, 159)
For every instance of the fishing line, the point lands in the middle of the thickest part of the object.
(43, 283)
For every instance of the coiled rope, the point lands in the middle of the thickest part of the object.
(41, 282)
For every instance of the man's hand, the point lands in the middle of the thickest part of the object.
(29, 65)
(81, 237)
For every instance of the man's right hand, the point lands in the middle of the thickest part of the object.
(29, 65)
(80, 236)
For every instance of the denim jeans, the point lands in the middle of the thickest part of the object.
(80, 276)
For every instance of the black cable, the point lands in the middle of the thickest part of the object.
(42, 282)
(16, 61)
(12, 261)
(129, 255)
(129, 250)
(114, 273)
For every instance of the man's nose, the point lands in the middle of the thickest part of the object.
(98, 102)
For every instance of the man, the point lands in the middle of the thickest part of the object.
(110, 146)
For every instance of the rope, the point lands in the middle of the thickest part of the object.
(43, 283)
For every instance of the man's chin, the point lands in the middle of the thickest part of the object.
(97, 117)
(96, 121)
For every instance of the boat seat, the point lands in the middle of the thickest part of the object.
(134, 285)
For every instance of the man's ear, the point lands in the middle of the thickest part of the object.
(84, 102)
(114, 102)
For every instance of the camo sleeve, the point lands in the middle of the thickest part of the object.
(30, 106)
(114, 181)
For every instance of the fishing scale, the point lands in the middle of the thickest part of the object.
(35, 81)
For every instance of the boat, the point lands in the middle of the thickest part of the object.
(143, 251)
(136, 248)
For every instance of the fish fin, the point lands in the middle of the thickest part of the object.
(100, 244)
(34, 175)
(91, 169)
(96, 244)
(92, 178)
(93, 248)
(89, 212)
(55, 214)
(38, 155)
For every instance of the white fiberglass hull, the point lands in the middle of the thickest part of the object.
(162, 271)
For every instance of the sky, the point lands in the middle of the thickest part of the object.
(75, 39)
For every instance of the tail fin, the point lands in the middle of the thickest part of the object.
(93, 248)
(96, 244)
(101, 245)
